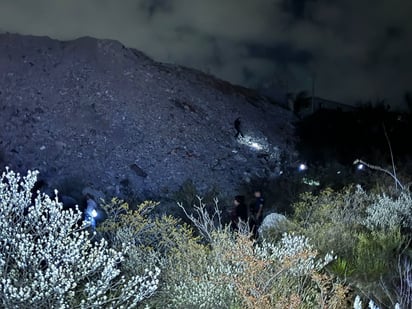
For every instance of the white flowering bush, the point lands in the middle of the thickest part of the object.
(209, 289)
(48, 260)
(388, 213)
(296, 252)
(371, 305)
(193, 278)
(233, 271)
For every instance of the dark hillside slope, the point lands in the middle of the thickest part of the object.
(97, 114)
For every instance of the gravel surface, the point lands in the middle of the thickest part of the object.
(94, 114)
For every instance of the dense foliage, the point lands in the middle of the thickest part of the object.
(333, 246)
(49, 260)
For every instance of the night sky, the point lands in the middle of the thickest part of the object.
(353, 49)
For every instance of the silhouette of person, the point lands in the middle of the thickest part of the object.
(256, 210)
(237, 127)
(239, 211)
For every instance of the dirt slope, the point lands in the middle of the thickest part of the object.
(93, 113)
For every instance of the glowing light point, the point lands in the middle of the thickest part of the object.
(303, 167)
(360, 167)
(94, 213)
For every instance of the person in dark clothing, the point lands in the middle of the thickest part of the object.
(237, 127)
(239, 211)
(256, 210)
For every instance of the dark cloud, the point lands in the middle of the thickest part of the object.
(354, 50)
(394, 32)
(153, 7)
(297, 8)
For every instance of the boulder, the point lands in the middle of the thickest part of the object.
(273, 222)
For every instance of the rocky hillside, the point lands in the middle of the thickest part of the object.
(94, 114)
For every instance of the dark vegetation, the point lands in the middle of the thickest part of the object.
(368, 229)
(329, 141)
(345, 136)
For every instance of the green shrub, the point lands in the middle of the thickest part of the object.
(150, 239)
(375, 261)
(189, 279)
(376, 253)
(331, 218)
(341, 267)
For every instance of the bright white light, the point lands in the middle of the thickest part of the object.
(256, 143)
(303, 167)
(360, 166)
(256, 146)
(94, 213)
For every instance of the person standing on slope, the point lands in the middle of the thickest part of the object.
(237, 128)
